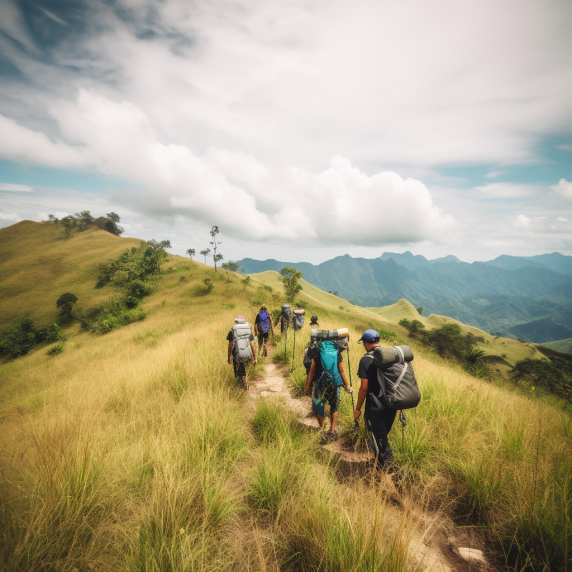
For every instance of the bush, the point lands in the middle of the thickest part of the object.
(134, 264)
(131, 302)
(112, 322)
(139, 289)
(56, 349)
(19, 339)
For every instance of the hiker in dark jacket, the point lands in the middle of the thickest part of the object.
(379, 420)
(239, 368)
(263, 325)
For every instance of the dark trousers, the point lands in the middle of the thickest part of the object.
(379, 422)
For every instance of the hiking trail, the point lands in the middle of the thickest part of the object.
(437, 545)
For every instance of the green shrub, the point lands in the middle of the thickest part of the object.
(131, 302)
(19, 339)
(56, 349)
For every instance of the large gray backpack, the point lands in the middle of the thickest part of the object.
(241, 350)
(398, 386)
(298, 319)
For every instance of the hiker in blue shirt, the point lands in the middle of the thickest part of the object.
(328, 375)
(263, 325)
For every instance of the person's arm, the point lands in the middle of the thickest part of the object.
(310, 377)
(253, 351)
(361, 397)
(271, 325)
(229, 351)
(345, 379)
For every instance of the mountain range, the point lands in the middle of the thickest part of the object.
(525, 297)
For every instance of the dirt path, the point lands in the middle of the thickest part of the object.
(437, 545)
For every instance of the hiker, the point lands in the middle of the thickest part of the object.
(314, 321)
(241, 348)
(328, 375)
(378, 417)
(262, 327)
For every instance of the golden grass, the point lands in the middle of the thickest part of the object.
(137, 451)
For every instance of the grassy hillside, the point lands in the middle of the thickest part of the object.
(561, 345)
(509, 350)
(39, 264)
(135, 450)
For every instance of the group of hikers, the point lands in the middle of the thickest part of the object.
(383, 394)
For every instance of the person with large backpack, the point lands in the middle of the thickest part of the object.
(241, 349)
(263, 325)
(387, 385)
(328, 375)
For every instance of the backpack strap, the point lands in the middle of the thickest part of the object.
(399, 353)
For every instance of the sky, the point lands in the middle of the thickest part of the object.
(303, 130)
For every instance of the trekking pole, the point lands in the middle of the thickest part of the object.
(403, 424)
(351, 386)
(294, 348)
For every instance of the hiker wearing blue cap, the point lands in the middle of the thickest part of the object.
(378, 417)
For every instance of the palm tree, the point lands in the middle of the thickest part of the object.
(205, 253)
(191, 252)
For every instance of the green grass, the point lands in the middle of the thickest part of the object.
(137, 451)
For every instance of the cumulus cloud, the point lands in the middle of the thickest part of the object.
(12, 216)
(563, 188)
(252, 201)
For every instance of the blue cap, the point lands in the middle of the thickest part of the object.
(370, 337)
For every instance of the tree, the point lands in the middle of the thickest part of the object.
(205, 253)
(208, 284)
(69, 223)
(230, 266)
(65, 303)
(191, 252)
(290, 277)
(84, 218)
(216, 257)
(420, 310)
(53, 218)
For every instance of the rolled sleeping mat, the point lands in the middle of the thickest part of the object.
(384, 356)
(330, 334)
(300, 312)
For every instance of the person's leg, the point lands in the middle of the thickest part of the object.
(380, 422)
(334, 401)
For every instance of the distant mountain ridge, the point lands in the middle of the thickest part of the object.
(528, 297)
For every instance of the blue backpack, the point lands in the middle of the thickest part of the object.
(329, 360)
(263, 324)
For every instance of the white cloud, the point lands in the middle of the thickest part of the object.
(11, 217)
(493, 174)
(563, 188)
(252, 201)
(18, 143)
(13, 188)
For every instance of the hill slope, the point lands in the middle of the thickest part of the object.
(39, 264)
(136, 450)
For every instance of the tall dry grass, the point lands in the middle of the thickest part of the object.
(137, 451)
(499, 460)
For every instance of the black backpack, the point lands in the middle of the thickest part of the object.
(398, 385)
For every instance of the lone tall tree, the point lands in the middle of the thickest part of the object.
(205, 253)
(65, 303)
(216, 257)
(290, 277)
(191, 252)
